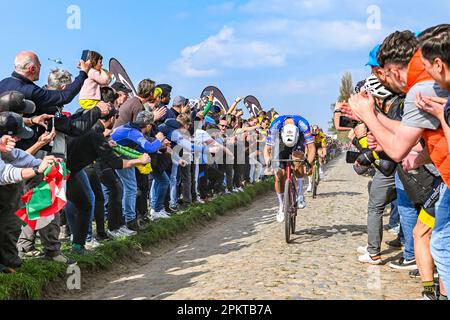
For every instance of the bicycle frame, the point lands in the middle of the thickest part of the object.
(290, 200)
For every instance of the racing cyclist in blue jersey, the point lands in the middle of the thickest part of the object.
(289, 136)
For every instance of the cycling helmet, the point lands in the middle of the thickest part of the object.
(374, 86)
(290, 135)
(315, 129)
(359, 86)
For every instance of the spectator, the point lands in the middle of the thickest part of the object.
(16, 166)
(27, 71)
(82, 152)
(436, 59)
(123, 93)
(90, 94)
(131, 108)
(133, 135)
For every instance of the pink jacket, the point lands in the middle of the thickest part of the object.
(91, 87)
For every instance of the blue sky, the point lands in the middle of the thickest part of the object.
(289, 54)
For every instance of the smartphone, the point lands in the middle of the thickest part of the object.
(84, 55)
(50, 124)
(352, 157)
(345, 122)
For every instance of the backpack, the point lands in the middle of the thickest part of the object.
(418, 184)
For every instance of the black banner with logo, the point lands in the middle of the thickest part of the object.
(121, 75)
(253, 105)
(219, 98)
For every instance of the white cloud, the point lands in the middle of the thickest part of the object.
(294, 37)
(224, 50)
(274, 34)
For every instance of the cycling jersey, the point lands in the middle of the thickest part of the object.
(321, 139)
(300, 122)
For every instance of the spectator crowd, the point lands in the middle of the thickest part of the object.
(132, 157)
(398, 120)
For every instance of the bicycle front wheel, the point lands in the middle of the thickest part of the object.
(316, 181)
(287, 206)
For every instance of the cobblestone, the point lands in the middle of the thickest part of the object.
(244, 255)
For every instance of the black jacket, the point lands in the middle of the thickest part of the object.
(74, 126)
(83, 151)
(45, 100)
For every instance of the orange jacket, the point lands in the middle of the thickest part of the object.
(434, 139)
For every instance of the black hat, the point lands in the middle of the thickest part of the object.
(15, 101)
(120, 87)
(167, 89)
(12, 124)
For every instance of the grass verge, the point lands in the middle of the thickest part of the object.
(32, 279)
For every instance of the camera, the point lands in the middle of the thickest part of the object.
(352, 157)
(346, 122)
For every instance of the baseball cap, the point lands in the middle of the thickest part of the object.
(373, 60)
(12, 124)
(216, 109)
(15, 101)
(180, 100)
(120, 87)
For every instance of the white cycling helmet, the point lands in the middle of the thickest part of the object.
(290, 135)
(374, 86)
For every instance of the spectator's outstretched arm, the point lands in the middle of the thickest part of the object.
(78, 124)
(9, 174)
(47, 99)
(234, 105)
(20, 159)
(17, 166)
(147, 146)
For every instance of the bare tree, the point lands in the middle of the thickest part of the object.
(347, 88)
(345, 91)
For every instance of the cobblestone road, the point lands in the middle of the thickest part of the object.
(244, 256)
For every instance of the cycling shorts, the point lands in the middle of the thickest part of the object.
(285, 154)
(428, 213)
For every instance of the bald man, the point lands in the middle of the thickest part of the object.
(27, 71)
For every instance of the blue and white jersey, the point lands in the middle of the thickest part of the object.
(277, 126)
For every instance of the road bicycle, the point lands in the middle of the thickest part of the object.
(290, 204)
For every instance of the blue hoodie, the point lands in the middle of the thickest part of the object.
(170, 129)
(130, 135)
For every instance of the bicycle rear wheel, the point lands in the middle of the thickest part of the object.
(287, 205)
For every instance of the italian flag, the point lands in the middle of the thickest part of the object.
(47, 199)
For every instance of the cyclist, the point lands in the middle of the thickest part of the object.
(320, 142)
(288, 136)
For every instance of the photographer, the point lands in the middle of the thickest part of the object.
(402, 61)
(382, 190)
